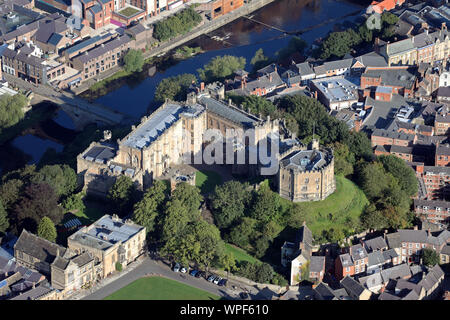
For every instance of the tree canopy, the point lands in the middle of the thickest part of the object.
(123, 194)
(4, 221)
(177, 24)
(259, 60)
(11, 110)
(221, 67)
(174, 88)
(46, 229)
(133, 61)
(62, 178)
(430, 257)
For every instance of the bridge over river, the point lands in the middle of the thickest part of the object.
(79, 110)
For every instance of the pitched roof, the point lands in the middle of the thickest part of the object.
(375, 244)
(37, 247)
(432, 278)
(400, 46)
(376, 258)
(443, 92)
(398, 271)
(353, 287)
(317, 264)
(389, 254)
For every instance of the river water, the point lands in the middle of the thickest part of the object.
(243, 38)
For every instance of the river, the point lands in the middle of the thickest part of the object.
(243, 38)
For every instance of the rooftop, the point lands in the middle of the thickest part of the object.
(336, 89)
(393, 76)
(307, 160)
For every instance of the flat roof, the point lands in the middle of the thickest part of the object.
(336, 89)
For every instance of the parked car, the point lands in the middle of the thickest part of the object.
(183, 270)
(217, 279)
(200, 274)
(193, 272)
(176, 267)
(223, 282)
(211, 278)
(243, 295)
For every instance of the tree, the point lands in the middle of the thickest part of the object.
(261, 245)
(146, 210)
(295, 45)
(38, 201)
(46, 229)
(175, 219)
(133, 61)
(228, 262)
(373, 180)
(176, 24)
(264, 273)
(255, 105)
(189, 196)
(402, 172)
(74, 202)
(365, 33)
(343, 159)
(271, 229)
(221, 67)
(372, 218)
(4, 222)
(123, 194)
(259, 60)
(359, 144)
(10, 192)
(229, 202)
(62, 178)
(388, 18)
(11, 110)
(119, 266)
(430, 257)
(337, 44)
(266, 206)
(174, 88)
(243, 233)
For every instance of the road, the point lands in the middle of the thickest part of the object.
(159, 268)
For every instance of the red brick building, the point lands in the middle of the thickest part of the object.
(442, 157)
(435, 179)
(401, 79)
(353, 262)
(433, 211)
(384, 137)
(97, 12)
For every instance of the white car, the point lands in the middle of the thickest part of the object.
(217, 279)
(183, 270)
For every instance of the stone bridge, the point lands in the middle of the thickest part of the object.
(79, 110)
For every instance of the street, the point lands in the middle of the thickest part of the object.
(153, 267)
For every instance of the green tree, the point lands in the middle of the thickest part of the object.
(133, 61)
(365, 33)
(261, 245)
(119, 266)
(189, 196)
(373, 180)
(430, 257)
(221, 67)
(11, 110)
(62, 178)
(10, 192)
(343, 159)
(46, 229)
(337, 44)
(264, 273)
(259, 60)
(228, 262)
(388, 18)
(244, 232)
(174, 88)
(74, 202)
(266, 206)
(295, 45)
(271, 230)
(175, 219)
(255, 105)
(372, 218)
(146, 210)
(404, 175)
(229, 202)
(4, 221)
(176, 24)
(123, 194)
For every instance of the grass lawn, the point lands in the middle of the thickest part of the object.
(158, 288)
(128, 12)
(347, 202)
(92, 213)
(207, 180)
(239, 254)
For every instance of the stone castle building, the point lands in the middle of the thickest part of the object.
(307, 174)
(172, 135)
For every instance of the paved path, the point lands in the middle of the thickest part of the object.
(149, 266)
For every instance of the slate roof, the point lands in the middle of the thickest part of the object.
(304, 69)
(371, 281)
(333, 65)
(102, 49)
(37, 247)
(33, 294)
(376, 258)
(443, 92)
(388, 296)
(401, 149)
(436, 170)
(55, 39)
(353, 287)
(393, 240)
(398, 77)
(317, 264)
(389, 254)
(346, 260)
(446, 250)
(432, 278)
(393, 134)
(372, 59)
(374, 244)
(432, 204)
(227, 112)
(358, 252)
(398, 271)
(415, 236)
(399, 47)
(324, 292)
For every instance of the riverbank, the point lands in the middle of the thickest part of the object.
(174, 43)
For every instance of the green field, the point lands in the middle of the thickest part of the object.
(239, 254)
(128, 12)
(158, 288)
(347, 202)
(207, 180)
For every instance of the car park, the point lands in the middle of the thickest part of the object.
(176, 267)
(193, 272)
(222, 282)
(211, 278)
(200, 274)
